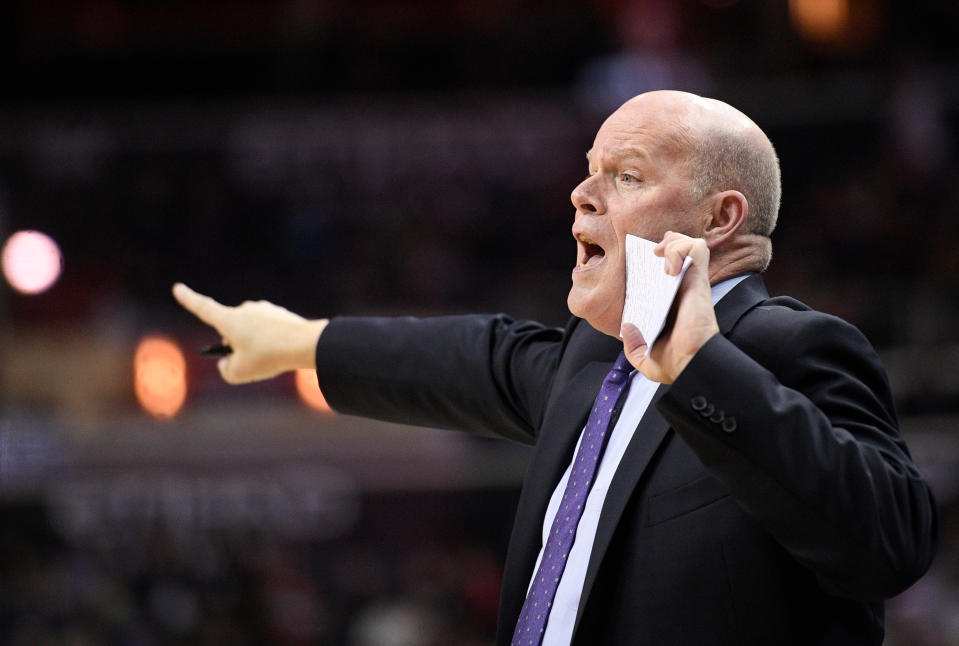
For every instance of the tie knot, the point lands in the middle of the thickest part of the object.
(620, 371)
(622, 364)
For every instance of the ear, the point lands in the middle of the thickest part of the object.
(728, 211)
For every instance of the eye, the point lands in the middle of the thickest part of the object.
(628, 178)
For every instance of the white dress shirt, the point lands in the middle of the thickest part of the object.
(559, 628)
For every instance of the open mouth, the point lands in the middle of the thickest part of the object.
(591, 254)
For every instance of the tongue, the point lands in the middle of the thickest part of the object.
(594, 259)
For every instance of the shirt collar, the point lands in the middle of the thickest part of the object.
(723, 287)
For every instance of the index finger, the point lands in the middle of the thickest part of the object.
(203, 307)
(675, 249)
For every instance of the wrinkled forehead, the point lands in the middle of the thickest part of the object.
(654, 132)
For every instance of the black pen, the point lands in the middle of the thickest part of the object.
(216, 350)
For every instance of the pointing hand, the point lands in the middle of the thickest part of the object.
(266, 339)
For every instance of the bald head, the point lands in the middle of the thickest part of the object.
(670, 161)
(724, 149)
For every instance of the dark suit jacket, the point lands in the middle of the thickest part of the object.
(765, 498)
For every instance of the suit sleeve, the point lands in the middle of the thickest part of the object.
(486, 374)
(803, 432)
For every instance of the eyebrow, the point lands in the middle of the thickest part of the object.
(622, 153)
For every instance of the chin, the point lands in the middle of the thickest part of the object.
(576, 302)
(599, 315)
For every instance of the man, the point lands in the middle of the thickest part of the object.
(752, 486)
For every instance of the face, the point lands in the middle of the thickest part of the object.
(637, 184)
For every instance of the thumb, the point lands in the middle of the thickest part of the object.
(634, 345)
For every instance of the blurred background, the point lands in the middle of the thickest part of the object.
(394, 156)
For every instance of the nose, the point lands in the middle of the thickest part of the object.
(586, 198)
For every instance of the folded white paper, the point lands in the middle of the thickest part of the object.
(649, 289)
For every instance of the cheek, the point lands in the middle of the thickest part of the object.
(611, 286)
(651, 218)
(643, 223)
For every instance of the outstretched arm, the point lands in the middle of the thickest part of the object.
(267, 340)
(486, 374)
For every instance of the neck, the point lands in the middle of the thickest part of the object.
(743, 254)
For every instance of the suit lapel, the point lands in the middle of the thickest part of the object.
(552, 456)
(740, 300)
(556, 452)
(646, 439)
(648, 436)
(587, 359)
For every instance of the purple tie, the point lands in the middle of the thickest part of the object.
(539, 600)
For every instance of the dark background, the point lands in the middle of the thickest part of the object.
(410, 157)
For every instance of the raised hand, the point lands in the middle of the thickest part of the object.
(692, 320)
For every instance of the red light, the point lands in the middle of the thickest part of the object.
(159, 376)
(308, 389)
